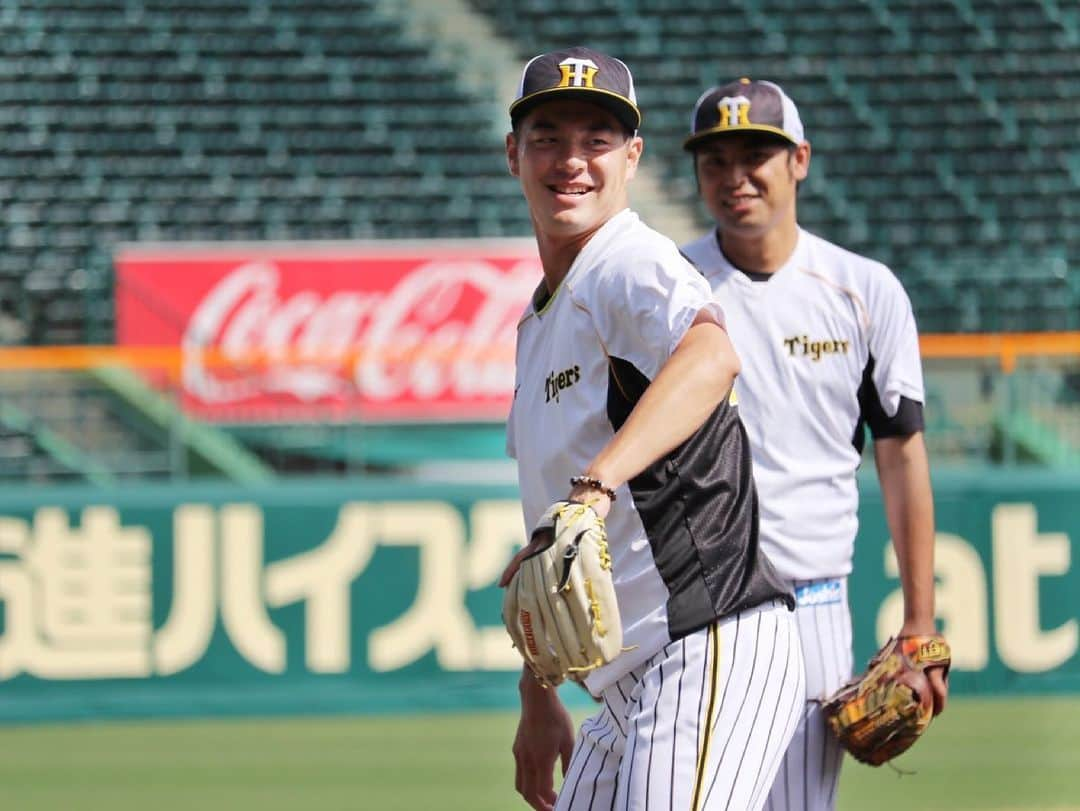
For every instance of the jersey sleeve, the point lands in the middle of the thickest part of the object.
(896, 374)
(642, 313)
(511, 448)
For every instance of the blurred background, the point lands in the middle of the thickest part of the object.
(260, 267)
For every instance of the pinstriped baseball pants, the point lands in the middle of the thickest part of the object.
(702, 726)
(810, 773)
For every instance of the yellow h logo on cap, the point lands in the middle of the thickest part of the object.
(734, 112)
(577, 72)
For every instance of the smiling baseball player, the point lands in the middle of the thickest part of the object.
(828, 347)
(622, 402)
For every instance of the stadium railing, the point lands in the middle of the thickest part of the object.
(103, 413)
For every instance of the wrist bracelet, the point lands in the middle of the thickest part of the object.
(593, 483)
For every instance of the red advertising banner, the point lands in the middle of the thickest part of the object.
(332, 331)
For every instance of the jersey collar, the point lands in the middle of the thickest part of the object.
(751, 277)
(589, 256)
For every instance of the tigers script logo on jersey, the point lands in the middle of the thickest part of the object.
(557, 381)
(801, 346)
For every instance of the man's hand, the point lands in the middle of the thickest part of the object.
(883, 711)
(531, 548)
(938, 677)
(600, 503)
(545, 733)
(939, 683)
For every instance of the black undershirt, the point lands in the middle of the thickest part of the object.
(755, 275)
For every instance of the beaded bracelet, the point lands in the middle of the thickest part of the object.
(593, 483)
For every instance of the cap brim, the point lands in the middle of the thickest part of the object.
(697, 138)
(628, 114)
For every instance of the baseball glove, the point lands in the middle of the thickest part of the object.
(560, 606)
(882, 712)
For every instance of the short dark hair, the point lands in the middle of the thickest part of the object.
(515, 124)
(763, 137)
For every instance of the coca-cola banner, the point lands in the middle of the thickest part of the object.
(373, 331)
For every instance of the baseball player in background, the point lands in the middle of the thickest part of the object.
(623, 383)
(828, 347)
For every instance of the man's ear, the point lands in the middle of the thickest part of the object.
(633, 155)
(511, 153)
(800, 163)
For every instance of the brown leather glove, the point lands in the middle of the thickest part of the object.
(882, 712)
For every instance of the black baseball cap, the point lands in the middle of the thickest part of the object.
(578, 73)
(744, 106)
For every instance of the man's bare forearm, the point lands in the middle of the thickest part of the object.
(694, 381)
(904, 473)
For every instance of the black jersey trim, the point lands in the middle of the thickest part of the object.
(907, 420)
(699, 508)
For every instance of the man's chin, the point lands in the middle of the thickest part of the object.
(571, 220)
(741, 224)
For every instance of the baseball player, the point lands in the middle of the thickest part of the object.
(828, 347)
(623, 384)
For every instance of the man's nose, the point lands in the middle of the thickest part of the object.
(732, 175)
(570, 156)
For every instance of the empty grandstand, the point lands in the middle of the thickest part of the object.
(945, 133)
(206, 120)
(945, 140)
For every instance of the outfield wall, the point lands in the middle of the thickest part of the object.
(379, 595)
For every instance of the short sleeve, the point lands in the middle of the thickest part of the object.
(894, 344)
(642, 313)
(511, 447)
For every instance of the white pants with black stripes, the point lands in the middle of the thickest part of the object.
(701, 726)
(810, 773)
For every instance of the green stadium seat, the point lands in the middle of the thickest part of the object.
(898, 181)
(944, 126)
(211, 119)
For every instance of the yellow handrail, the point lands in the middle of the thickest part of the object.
(170, 359)
(1006, 347)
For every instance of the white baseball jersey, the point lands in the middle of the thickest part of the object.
(683, 533)
(828, 344)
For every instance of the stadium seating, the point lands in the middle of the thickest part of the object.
(207, 120)
(945, 133)
(21, 458)
(156, 120)
(945, 140)
(57, 426)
